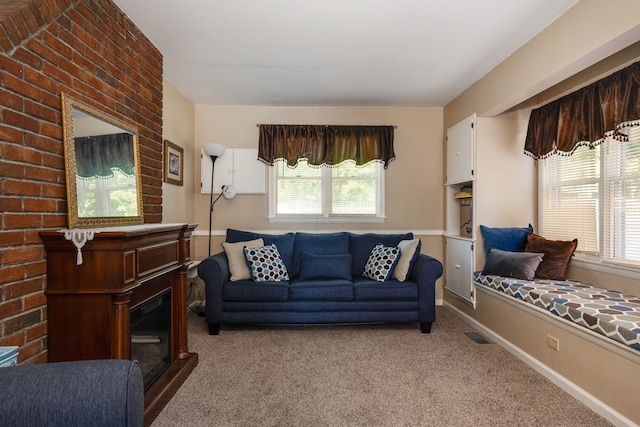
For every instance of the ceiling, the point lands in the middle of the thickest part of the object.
(335, 52)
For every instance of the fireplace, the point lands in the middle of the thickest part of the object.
(151, 336)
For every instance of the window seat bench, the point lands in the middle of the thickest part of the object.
(612, 314)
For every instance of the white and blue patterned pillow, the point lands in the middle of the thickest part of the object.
(381, 262)
(266, 264)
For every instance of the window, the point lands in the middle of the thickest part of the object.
(336, 193)
(107, 196)
(594, 195)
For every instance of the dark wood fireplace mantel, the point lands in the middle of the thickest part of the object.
(88, 305)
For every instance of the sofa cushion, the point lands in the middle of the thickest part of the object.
(319, 244)
(360, 246)
(557, 254)
(321, 290)
(365, 289)
(284, 242)
(381, 262)
(237, 261)
(520, 265)
(314, 266)
(266, 264)
(409, 250)
(506, 239)
(248, 290)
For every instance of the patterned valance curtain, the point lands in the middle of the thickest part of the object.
(585, 116)
(97, 155)
(323, 145)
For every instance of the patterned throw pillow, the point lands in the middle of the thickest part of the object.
(266, 264)
(381, 262)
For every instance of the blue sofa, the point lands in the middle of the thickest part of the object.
(96, 393)
(322, 286)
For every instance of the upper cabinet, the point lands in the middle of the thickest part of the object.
(239, 167)
(460, 155)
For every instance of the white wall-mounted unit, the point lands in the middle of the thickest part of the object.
(239, 167)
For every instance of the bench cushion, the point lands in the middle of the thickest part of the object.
(608, 312)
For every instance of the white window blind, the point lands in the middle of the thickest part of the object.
(622, 199)
(568, 201)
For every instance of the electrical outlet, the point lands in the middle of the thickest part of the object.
(553, 343)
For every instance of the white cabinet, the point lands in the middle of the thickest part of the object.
(485, 156)
(460, 151)
(239, 167)
(460, 212)
(459, 267)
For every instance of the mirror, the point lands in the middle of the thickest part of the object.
(102, 165)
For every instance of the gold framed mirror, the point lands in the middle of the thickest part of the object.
(102, 168)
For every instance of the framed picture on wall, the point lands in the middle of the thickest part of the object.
(173, 163)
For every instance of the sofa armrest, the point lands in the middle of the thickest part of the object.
(426, 270)
(214, 271)
(81, 393)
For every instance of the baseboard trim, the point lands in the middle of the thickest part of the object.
(577, 392)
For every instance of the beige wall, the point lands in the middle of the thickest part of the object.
(178, 127)
(587, 33)
(414, 186)
(593, 39)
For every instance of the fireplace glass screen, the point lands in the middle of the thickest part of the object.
(151, 335)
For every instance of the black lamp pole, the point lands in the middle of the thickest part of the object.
(213, 163)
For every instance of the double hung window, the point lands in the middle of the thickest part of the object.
(594, 195)
(339, 192)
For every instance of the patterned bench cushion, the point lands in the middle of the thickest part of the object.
(610, 313)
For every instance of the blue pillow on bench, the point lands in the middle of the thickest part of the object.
(512, 239)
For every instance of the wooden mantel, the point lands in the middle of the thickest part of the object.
(89, 304)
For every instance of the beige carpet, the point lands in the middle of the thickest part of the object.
(368, 375)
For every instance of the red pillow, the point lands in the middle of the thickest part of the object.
(557, 254)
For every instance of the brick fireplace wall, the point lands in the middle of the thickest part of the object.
(90, 50)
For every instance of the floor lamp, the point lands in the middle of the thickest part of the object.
(214, 151)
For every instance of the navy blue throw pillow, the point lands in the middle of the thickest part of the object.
(505, 239)
(314, 266)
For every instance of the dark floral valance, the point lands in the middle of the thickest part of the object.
(323, 145)
(96, 156)
(585, 116)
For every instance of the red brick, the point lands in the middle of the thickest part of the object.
(24, 287)
(56, 221)
(36, 331)
(40, 205)
(11, 100)
(22, 154)
(13, 339)
(41, 174)
(21, 87)
(39, 111)
(11, 66)
(53, 190)
(29, 350)
(15, 255)
(52, 130)
(36, 300)
(11, 238)
(11, 30)
(36, 268)
(12, 221)
(10, 308)
(57, 74)
(21, 188)
(10, 204)
(41, 80)
(28, 58)
(43, 51)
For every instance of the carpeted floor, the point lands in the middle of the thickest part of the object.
(365, 375)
